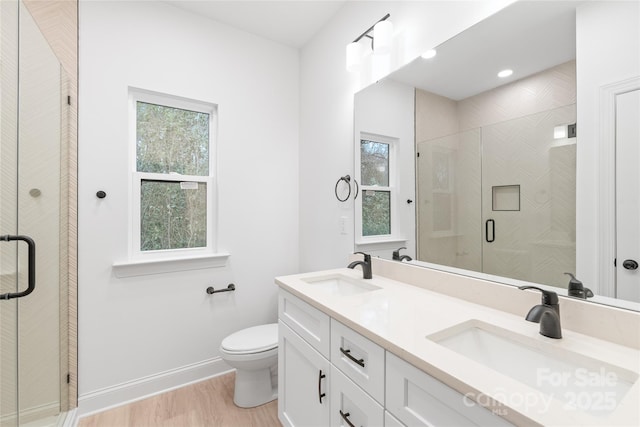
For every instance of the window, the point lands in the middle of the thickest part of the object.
(377, 168)
(173, 175)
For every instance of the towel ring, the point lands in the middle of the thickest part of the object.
(346, 179)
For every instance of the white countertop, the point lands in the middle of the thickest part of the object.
(399, 317)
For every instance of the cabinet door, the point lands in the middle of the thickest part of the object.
(350, 405)
(303, 382)
(418, 399)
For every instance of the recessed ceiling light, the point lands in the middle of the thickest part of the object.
(429, 54)
(505, 73)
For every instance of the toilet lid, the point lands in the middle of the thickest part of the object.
(252, 340)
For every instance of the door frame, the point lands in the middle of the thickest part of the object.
(607, 183)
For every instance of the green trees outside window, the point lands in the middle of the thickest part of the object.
(172, 161)
(376, 197)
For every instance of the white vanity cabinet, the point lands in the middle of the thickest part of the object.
(330, 375)
(304, 371)
(417, 399)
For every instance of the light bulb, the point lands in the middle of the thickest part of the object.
(382, 37)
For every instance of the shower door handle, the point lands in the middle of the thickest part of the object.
(493, 230)
(31, 266)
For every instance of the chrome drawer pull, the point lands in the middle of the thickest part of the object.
(345, 417)
(353, 359)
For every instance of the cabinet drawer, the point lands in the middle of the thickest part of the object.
(350, 404)
(307, 321)
(358, 358)
(418, 399)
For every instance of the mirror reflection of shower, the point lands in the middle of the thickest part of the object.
(495, 183)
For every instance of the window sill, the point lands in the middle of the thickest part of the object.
(169, 265)
(380, 240)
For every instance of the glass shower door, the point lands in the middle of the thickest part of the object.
(8, 211)
(31, 156)
(528, 198)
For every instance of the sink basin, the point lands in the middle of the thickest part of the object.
(340, 285)
(582, 383)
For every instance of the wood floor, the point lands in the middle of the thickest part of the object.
(205, 404)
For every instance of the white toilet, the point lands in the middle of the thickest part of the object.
(254, 354)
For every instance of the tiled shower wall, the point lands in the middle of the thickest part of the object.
(497, 138)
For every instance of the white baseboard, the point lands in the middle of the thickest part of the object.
(70, 419)
(131, 391)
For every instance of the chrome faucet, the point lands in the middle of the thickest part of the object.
(547, 313)
(396, 255)
(366, 265)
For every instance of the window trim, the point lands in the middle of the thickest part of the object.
(392, 188)
(150, 258)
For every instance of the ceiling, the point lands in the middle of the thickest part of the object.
(292, 23)
(527, 37)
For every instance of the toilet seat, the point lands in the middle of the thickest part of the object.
(256, 339)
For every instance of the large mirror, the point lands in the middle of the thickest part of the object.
(479, 171)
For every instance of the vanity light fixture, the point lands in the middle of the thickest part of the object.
(380, 42)
(429, 54)
(505, 73)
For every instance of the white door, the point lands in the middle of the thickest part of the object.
(628, 196)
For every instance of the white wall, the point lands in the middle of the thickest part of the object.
(387, 109)
(136, 329)
(608, 51)
(326, 107)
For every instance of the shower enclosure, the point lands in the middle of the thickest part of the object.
(496, 181)
(33, 224)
